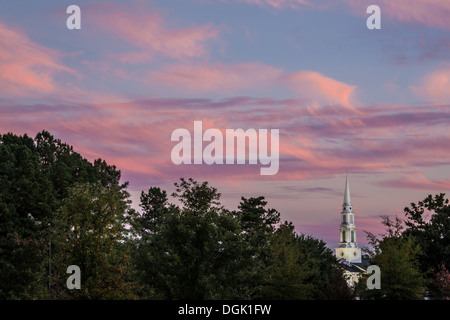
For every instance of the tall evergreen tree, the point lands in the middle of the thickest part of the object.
(35, 176)
(26, 200)
(258, 223)
(287, 272)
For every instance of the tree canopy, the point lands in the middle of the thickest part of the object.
(35, 177)
(59, 209)
(396, 254)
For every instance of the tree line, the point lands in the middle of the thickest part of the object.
(58, 209)
(413, 253)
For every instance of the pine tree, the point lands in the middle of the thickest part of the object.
(288, 271)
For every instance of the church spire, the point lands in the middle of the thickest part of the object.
(347, 204)
(347, 200)
(348, 247)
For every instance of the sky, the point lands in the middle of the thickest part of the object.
(373, 103)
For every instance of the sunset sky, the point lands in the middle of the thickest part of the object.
(374, 103)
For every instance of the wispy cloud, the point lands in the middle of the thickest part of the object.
(135, 135)
(431, 13)
(417, 181)
(320, 88)
(150, 34)
(435, 86)
(28, 68)
(217, 77)
(279, 4)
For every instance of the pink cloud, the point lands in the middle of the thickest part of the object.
(417, 181)
(217, 77)
(26, 67)
(435, 86)
(150, 32)
(318, 87)
(135, 135)
(226, 78)
(433, 13)
(277, 3)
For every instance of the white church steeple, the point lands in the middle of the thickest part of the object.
(348, 248)
(347, 200)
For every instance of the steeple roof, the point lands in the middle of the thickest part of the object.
(347, 200)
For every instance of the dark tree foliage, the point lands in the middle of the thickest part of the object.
(325, 274)
(20, 262)
(396, 254)
(287, 272)
(257, 224)
(440, 284)
(186, 247)
(65, 167)
(192, 251)
(26, 194)
(428, 222)
(256, 220)
(337, 287)
(200, 250)
(35, 175)
(26, 201)
(155, 208)
(90, 232)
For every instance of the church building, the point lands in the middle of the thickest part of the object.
(347, 250)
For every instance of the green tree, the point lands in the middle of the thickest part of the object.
(25, 193)
(396, 255)
(90, 233)
(25, 202)
(65, 167)
(257, 223)
(325, 274)
(197, 249)
(337, 287)
(20, 262)
(35, 176)
(287, 272)
(428, 222)
(188, 251)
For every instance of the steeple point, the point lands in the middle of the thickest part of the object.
(347, 200)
